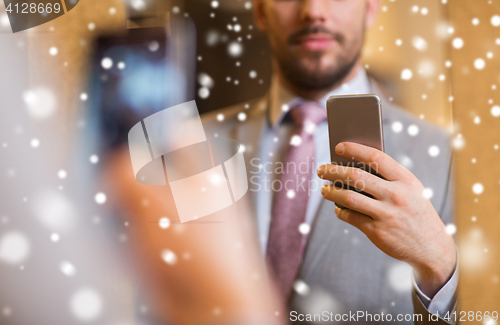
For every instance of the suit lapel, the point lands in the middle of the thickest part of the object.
(250, 133)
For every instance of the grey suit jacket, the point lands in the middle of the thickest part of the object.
(345, 272)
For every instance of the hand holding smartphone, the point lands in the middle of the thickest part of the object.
(354, 118)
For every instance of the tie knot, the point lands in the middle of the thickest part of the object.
(308, 113)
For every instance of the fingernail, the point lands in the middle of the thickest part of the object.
(320, 171)
(339, 148)
(337, 209)
(323, 190)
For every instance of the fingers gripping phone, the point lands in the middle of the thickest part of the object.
(354, 118)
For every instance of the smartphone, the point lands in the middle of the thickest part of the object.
(130, 87)
(142, 77)
(354, 118)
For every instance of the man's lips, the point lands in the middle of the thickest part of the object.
(315, 42)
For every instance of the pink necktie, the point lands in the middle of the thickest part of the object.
(284, 247)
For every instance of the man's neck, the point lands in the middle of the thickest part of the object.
(317, 94)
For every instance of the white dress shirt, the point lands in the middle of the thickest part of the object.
(273, 145)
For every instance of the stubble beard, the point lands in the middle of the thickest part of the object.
(314, 76)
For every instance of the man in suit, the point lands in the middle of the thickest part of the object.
(389, 255)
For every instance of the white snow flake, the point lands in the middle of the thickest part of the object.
(296, 140)
(477, 188)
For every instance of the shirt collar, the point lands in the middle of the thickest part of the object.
(281, 99)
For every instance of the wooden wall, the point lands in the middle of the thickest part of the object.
(475, 93)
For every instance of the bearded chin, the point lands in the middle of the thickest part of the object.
(316, 77)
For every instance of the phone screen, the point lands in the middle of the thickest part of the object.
(131, 78)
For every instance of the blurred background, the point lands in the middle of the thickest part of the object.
(437, 59)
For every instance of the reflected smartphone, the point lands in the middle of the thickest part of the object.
(133, 87)
(146, 76)
(354, 118)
